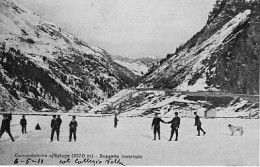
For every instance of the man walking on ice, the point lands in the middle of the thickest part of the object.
(73, 128)
(54, 128)
(156, 125)
(198, 124)
(115, 121)
(175, 126)
(59, 121)
(23, 123)
(6, 126)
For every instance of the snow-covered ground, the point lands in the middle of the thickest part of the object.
(134, 137)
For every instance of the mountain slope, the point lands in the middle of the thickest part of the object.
(138, 66)
(45, 67)
(223, 56)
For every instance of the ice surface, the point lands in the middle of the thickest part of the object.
(134, 137)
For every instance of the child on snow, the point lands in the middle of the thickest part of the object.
(37, 127)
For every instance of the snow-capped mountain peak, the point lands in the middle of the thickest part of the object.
(138, 66)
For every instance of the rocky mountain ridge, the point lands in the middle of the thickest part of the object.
(44, 68)
(138, 66)
(223, 56)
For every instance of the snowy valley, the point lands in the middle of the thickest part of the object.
(46, 71)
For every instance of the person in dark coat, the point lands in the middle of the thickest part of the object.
(156, 125)
(54, 127)
(59, 124)
(115, 121)
(9, 116)
(37, 127)
(23, 123)
(73, 128)
(175, 125)
(198, 124)
(6, 125)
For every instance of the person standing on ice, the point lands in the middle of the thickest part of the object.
(73, 128)
(54, 127)
(198, 124)
(175, 126)
(6, 125)
(59, 124)
(23, 123)
(156, 125)
(115, 121)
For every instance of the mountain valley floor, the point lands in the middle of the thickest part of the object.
(131, 143)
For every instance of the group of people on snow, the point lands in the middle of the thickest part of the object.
(175, 125)
(55, 126)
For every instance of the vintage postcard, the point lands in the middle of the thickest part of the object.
(129, 82)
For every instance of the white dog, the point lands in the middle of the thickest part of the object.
(235, 128)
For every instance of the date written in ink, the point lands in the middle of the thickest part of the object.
(28, 161)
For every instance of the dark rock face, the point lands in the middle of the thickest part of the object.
(241, 61)
(225, 53)
(32, 82)
(47, 68)
(38, 85)
(240, 58)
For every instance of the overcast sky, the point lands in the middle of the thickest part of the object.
(130, 28)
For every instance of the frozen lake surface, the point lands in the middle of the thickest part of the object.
(134, 136)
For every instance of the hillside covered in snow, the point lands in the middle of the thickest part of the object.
(44, 68)
(140, 102)
(223, 56)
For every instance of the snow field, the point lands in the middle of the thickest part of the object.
(134, 137)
